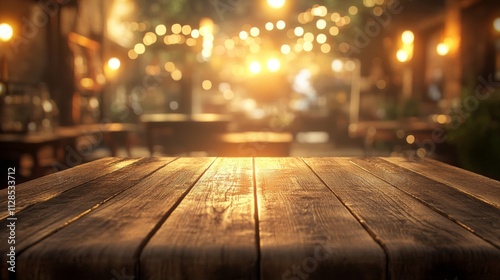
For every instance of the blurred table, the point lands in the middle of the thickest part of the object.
(194, 132)
(110, 134)
(394, 132)
(255, 143)
(13, 146)
(60, 143)
(256, 218)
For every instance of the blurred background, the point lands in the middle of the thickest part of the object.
(85, 79)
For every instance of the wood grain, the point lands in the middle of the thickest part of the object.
(212, 233)
(52, 185)
(305, 231)
(111, 237)
(473, 214)
(420, 242)
(473, 184)
(253, 218)
(45, 218)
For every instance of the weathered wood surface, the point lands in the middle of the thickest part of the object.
(54, 184)
(211, 234)
(305, 231)
(419, 241)
(37, 222)
(102, 233)
(256, 218)
(473, 184)
(467, 211)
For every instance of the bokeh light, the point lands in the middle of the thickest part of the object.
(273, 64)
(281, 25)
(402, 56)
(407, 37)
(161, 29)
(139, 48)
(114, 63)
(442, 49)
(255, 67)
(299, 31)
(206, 85)
(337, 65)
(496, 24)
(276, 4)
(6, 32)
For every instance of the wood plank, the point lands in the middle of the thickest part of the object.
(471, 183)
(111, 237)
(212, 233)
(45, 218)
(49, 186)
(305, 231)
(473, 214)
(419, 241)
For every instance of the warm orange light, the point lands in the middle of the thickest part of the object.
(161, 29)
(206, 26)
(139, 48)
(402, 56)
(276, 4)
(407, 37)
(337, 65)
(114, 63)
(442, 49)
(6, 32)
(273, 64)
(496, 24)
(87, 83)
(206, 85)
(255, 67)
(176, 75)
(286, 49)
(410, 139)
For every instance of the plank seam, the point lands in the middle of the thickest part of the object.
(445, 215)
(257, 225)
(72, 188)
(162, 220)
(444, 183)
(359, 220)
(89, 210)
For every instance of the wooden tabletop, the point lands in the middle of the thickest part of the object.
(255, 218)
(182, 118)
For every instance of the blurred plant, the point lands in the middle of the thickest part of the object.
(410, 108)
(395, 110)
(477, 139)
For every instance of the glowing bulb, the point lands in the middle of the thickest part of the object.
(114, 63)
(407, 37)
(321, 24)
(255, 67)
(206, 85)
(496, 24)
(161, 29)
(281, 25)
(285, 49)
(299, 31)
(402, 56)
(276, 4)
(254, 31)
(442, 49)
(6, 32)
(139, 48)
(337, 65)
(269, 26)
(243, 35)
(273, 64)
